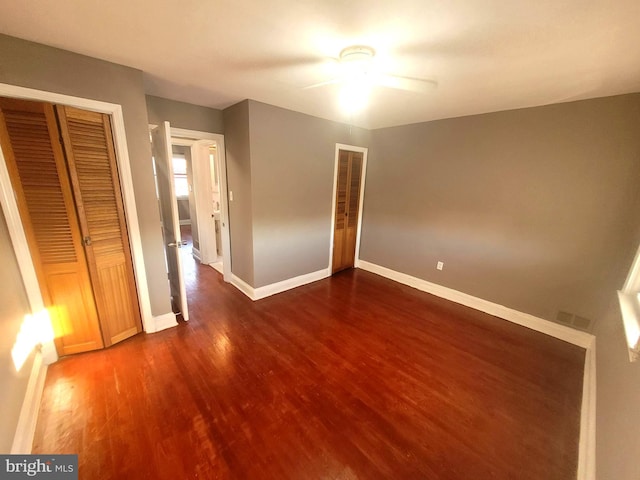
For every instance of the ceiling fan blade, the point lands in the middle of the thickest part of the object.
(322, 84)
(411, 84)
(275, 62)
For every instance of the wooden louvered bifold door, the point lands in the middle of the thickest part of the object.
(347, 209)
(88, 145)
(35, 161)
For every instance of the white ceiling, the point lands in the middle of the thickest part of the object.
(486, 55)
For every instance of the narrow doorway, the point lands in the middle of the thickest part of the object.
(193, 207)
(201, 203)
(348, 196)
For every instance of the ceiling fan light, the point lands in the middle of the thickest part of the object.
(357, 53)
(356, 60)
(354, 97)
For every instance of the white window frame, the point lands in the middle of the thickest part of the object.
(184, 176)
(629, 297)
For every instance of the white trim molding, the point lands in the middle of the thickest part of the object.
(26, 428)
(278, 287)
(587, 447)
(290, 283)
(243, 286)
(630, 311)
(162, 322)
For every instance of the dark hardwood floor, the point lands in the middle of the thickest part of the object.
(352, 377)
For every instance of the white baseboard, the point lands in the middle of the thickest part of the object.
(576, 337)
(587, 448)
(26, 428)
(162, 322)
(243, 286)
(278, 287)
(217, 266)
(290, 283)
(196, 254)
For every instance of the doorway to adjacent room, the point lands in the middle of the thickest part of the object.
(192, 195)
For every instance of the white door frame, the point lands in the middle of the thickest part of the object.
(14, 223)
(194, 138)
(364, 151)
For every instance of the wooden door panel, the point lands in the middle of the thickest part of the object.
(88, 145)
(71, 297)
(338, 249)
(35, 161)
(120, 311)
(349, 248)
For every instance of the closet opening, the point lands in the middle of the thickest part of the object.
(348, 195)
(63, 170)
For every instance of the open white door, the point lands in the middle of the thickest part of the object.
(161, 144)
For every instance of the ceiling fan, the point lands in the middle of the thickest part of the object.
(357, 68)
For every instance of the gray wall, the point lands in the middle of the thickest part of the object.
(45, 68)
(184, 115)
(280, 167)
(292, 170)
(13, 307)
(536, 209)
(184, 212)
(238, 157)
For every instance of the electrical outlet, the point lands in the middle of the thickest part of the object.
(230, 196)
(440, 265)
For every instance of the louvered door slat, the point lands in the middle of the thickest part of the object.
(341, 192)
(28, 134)
(354, 189)
(89, 148)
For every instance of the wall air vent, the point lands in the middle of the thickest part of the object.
(575, 321)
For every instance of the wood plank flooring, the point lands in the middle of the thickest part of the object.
(352, 377)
